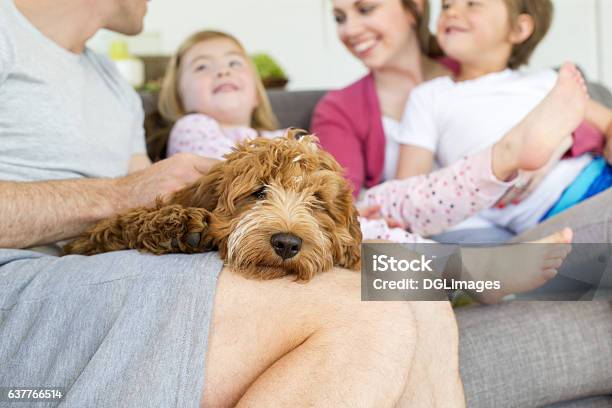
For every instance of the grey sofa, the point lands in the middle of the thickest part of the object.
(522, 354)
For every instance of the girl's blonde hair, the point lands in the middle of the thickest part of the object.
(170, 102)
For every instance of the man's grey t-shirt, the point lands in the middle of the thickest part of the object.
(117, 329)
(62, 115)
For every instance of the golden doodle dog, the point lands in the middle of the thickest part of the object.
(274, 207)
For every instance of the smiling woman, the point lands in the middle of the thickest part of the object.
(358, 124)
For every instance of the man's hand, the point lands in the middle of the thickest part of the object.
(163, 178)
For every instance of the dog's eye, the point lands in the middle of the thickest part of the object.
(260, 193)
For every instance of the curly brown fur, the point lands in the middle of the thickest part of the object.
(264, 187)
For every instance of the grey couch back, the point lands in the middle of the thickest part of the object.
(294, 108)
(600, 94)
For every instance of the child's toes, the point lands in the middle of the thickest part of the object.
(554, 263)
(548, 274)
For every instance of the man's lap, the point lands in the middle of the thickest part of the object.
(63, 323)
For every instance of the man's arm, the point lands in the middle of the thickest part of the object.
(44, 212)
(39, 213)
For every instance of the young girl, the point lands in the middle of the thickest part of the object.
(213, 94)
(448, 118)
(216, 99)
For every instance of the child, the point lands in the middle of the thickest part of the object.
(213, 94)
(428, 204)
(448, 118)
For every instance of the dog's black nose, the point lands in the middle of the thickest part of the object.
(286, 245)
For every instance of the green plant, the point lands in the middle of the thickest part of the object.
(267, 67)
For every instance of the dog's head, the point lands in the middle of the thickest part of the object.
(280, 206)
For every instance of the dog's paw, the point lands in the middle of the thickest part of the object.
(190, 240)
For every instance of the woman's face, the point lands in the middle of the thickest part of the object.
(216, 80)
(375, 31)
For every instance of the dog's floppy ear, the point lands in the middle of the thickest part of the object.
(305, 138)
(204, 193)
(338, 196)
(295, 133)
(350, 256)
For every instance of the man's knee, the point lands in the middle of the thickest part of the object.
(390, 326)
(330, 301)
(442, 314)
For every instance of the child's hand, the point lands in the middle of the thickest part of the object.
(373, 213)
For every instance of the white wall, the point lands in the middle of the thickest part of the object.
(573, 36)
(605, 29)
(300, 34)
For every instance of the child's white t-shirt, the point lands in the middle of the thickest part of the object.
(455, 119)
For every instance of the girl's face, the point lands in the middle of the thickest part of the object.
(216, 80)
(473, 30)
(375, 31)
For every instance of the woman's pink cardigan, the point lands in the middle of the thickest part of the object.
(349, 126)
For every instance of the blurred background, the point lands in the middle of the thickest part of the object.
(300, 36)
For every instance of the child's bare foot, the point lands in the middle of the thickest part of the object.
(518, 268)
(531, 143)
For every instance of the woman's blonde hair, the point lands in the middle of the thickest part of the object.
(170, 102)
